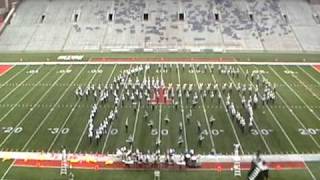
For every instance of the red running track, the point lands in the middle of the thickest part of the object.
(122, 166)
(4, 69)
(317, 68)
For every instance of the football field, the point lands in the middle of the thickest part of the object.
(40, 111)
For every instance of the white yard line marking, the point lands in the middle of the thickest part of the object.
(204, 110)
(228, 115)
(255, 124)
(108, 134)
(308, 74)
(85, 128)
(297, 95)
(303, 84)
(68, 117)
(160, 113)
(14, 89)
(52, 109)
(277, 121)
(285, 133)
(25, 95)
(182, 113)
(15, 75)
(40, 99)
(30, 110)
(297, 118)
(137, 114)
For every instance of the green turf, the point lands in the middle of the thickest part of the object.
(31, 104)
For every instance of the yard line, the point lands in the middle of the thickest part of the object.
(303, 84)
(15, 75)
(160, 111)
(13, 90)
(25, 95)
(312, 112)
(31, 109)
(68, 117)
(276, 120)
(108, 134)
(297, 118)
(182, 113)
(308, 74)
(254, 122)
(85, 128)
(137, 114)
(228, 115)
(204, 110)
(52, 109)
(284, 132)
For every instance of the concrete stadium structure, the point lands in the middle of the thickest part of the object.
(163, 25)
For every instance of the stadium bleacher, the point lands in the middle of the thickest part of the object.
(163, 25)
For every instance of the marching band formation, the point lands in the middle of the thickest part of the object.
(127, 88)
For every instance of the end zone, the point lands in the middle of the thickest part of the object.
(4, 69)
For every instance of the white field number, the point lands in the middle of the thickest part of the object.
(96, 71)
(8, 130)
(33, 71)
(164, 132)
(263, 132)
(290, 72)
(309, 131)
(259, 71)
(57, 130)
(214, 132)
(114, 132)
(64, 71)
